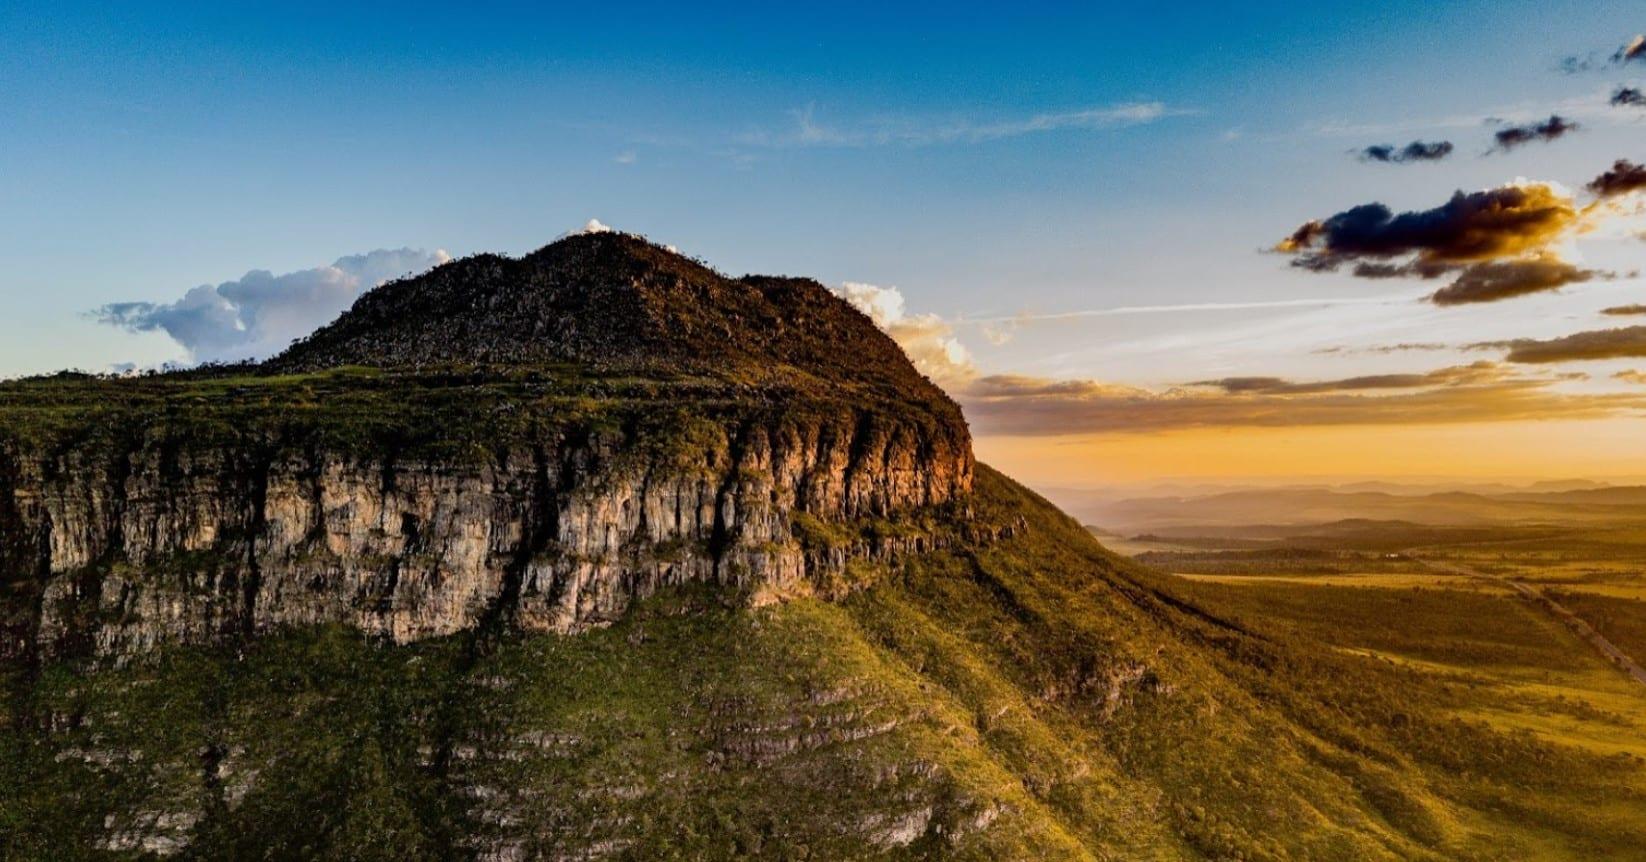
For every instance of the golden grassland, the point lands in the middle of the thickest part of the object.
(1522, 670)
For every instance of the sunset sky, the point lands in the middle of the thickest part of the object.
(1137, 246)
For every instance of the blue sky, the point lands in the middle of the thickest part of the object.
(988, 162)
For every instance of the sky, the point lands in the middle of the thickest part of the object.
(1107, 229)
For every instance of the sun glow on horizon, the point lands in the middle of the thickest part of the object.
(1603, 449)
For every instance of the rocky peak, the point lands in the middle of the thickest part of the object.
(613, 302)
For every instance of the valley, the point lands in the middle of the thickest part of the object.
(1539, 624)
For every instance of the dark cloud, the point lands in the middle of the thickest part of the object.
(1634, 49)
(1479, 372)
(1416, 151)
(1409, 269)
(1624, 310)
(1496, 280)
(1574, 64)
(1494, 241)
(261, 313)
(1631, 376)
(1475, 226)
(1510, 137)
(1627, 342)
(1630, 97)
(1624, 177)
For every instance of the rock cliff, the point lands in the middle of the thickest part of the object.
(534, 443)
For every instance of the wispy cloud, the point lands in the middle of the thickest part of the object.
(1021, 405)
(1034, 405)
(1383, 349)
(1631, 51)
(1512, 136)
(808, 129)
(1594, 108)
(1627, 342)
(1126, 310)
(1041, 407)
(1416, 151)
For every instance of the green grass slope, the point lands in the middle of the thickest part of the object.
(1023, 694)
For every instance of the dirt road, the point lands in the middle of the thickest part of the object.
(1572, 621)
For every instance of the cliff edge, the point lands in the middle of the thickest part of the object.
(535, 442)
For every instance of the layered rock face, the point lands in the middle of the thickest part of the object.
(535, 442)
(171, 541)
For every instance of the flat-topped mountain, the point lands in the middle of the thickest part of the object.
(533, 443)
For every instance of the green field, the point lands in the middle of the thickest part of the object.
(1519, 667)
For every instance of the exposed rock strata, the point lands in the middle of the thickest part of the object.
(165, 540)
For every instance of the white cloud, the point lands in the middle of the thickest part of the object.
(808, 131)
(260, 313)
(627, 157)
(593, 225)
(927, 339)
(1593, 109)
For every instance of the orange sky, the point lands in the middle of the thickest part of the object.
(1605, 449)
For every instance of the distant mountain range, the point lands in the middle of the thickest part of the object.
(1544, 503)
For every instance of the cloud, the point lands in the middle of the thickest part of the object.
(1416, 151)
(1020, 405)
(1624, 177)
(1622, 310)
(1497, 280)
(1023, 318)
(809, 131)
(1628, 97)
(1378, 270)
(1631, 376)
(1634, 49)
(1403, 347)
(1497, 243)
(261, 313)
(1015, 404)
(593, 225)
(627, 157)
(1624, 343)
(1510, 137)
(927, 338)
(1479, 372)
(1475, 226)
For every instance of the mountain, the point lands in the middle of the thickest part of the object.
(600, 554)
(612, 302)
(541, 441)
(1280, 507)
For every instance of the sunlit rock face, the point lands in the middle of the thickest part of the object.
(168, 542)
(190, 517)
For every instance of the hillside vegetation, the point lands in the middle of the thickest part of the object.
(1021, 694)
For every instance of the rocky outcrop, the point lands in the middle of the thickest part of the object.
(533, 442)
(166, 539)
